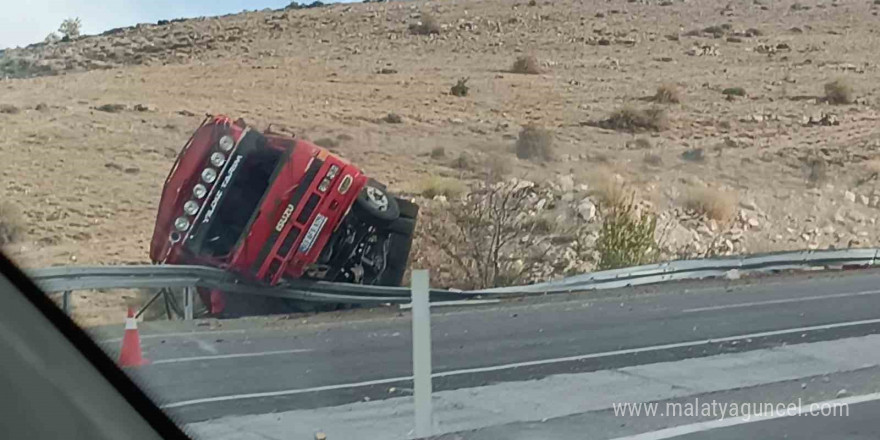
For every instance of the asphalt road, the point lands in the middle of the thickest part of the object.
(269, 365)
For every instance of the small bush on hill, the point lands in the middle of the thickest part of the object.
(534, 143)
(633, 119)
(667, 94)
(12, 224)
(527, 65)
(712, 203)
(838, 91)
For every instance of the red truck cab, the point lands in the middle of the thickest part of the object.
(271, 207)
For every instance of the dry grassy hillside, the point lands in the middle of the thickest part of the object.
(745, 125)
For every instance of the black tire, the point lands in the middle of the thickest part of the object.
(407, 209)
(375, 206)
(398, 254)
(403, 225)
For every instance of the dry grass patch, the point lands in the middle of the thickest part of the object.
(535, 143)
(838, 91)
(635, 120)
(12, 224)
(607, 189)
(667, 94)
(496, 168)
(527, 65)
(712, 203)
(443, 186)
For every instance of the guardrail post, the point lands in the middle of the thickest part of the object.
(188, 303)
(65, 302)
(421, 323)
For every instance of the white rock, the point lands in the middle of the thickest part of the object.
(863, 199)
(679, 234)
(566, 183)
(753, 222)
(586, 209)
(749, 204)
(850, 196)
(842, 392)
(704, 230)
(732, 274)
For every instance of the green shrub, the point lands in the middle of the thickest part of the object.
(460, 88)
(627, 237)
(734, 91)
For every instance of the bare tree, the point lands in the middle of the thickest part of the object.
(70, 28)
(490, 234)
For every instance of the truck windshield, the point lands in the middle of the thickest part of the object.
(240, 197)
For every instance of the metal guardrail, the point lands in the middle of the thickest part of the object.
(700, 269)
(69, 278)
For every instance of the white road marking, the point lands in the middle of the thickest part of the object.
(285, 392)
(520, 364)
(781, 301)
(229, 356)
(206, 346)
(461, 302)
(174, 335)
(676, 431)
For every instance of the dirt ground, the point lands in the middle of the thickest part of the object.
(88, 181)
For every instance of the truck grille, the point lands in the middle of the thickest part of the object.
(307, 210)
(288, 241)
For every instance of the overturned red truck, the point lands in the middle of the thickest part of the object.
(271, 207)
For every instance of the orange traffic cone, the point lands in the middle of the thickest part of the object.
(130, 355)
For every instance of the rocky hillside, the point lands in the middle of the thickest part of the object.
(744, 126)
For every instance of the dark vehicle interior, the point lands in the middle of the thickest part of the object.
(242, 195)
(56, 382)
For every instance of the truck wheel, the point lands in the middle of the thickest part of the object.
(403, 225)
(398, 254)
(407, 209)
(376, 206)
